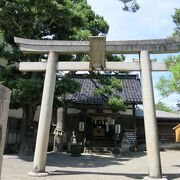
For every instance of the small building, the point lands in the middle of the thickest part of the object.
(165, 122)
(95, 124)
(100, 121)
(177, 132)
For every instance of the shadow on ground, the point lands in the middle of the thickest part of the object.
(88, 160)
(79, 165)
(129, 175)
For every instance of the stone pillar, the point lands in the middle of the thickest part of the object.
(4, 109)
(150, 123)
(45, 118)
(58, 132)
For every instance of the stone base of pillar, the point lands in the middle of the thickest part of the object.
(38, 174)
(151, 178)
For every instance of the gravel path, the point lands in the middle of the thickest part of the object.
(91, 167)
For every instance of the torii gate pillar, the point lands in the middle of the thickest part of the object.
(151, 132)
(45, 118)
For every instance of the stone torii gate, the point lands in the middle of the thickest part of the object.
(97, 47)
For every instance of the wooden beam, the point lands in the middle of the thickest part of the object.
(84, 66)
(154, 46)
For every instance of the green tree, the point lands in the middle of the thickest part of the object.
(176, 20)
(170, 85)
(109, 88)
(130, 5)
(50, 19)
(27, 94)
(163, 107)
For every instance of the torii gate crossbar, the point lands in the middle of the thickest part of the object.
(97, 47)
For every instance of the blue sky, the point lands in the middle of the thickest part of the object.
(152, 21)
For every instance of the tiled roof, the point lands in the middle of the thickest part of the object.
(131, 93)
(159, 114)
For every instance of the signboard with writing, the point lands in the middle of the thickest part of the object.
(131, 136)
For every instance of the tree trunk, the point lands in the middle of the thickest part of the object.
(27, 131)
(58, 132)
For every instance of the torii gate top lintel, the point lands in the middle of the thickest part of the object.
(96, 47)
(154, 46)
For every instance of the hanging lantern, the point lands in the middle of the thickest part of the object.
(107, 126)
(112, 122)
(81, 126)
(117, 129)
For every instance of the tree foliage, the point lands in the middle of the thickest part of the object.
(64, 86)
(169, 85)
(51, 19)
(109, 89)
(115, 57)
(163, 107)
(130, 5)
(42, 19)
(27, 89)
(176, 20)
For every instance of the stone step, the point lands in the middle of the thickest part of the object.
(101, 143)
(99, 150)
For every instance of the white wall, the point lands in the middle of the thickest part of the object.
(17, 113)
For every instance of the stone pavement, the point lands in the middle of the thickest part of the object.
(62, 166)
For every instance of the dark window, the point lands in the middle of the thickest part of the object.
(14, 124)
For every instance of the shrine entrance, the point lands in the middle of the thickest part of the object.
(96, 48)
(99, 132)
